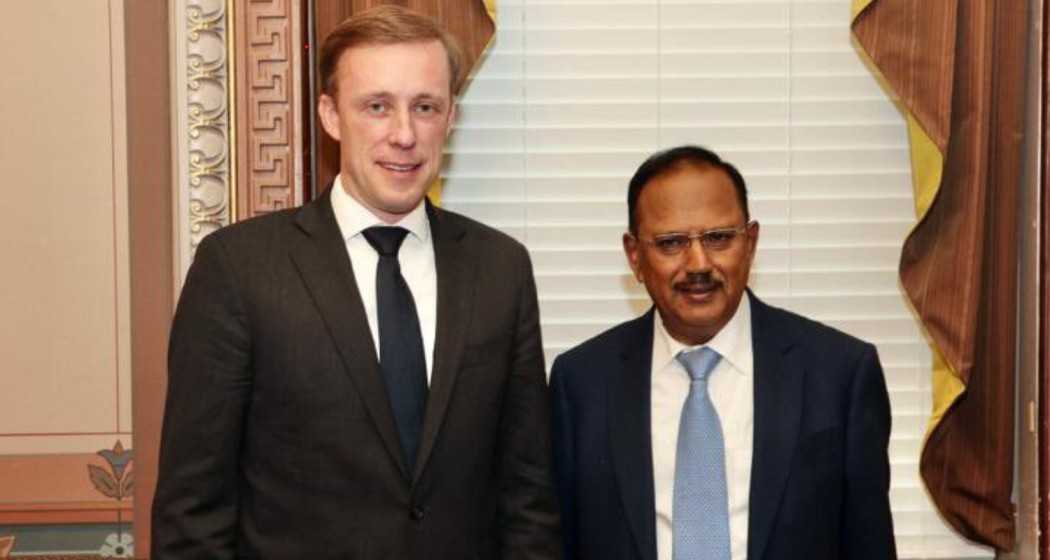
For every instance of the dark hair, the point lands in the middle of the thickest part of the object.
(387, 24)
(664, 162)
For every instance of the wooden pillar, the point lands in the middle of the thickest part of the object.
(151, 240)
(1044, 284)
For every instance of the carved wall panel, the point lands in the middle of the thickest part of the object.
(268, 105)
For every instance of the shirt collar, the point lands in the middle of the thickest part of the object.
(353, 217)
(733, 342)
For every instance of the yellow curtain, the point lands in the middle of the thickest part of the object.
(475, 44)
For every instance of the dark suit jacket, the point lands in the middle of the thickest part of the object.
(819, 474)
(278, 437)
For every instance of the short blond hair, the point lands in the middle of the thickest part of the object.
(387, 25)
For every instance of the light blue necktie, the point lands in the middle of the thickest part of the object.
(701, 504)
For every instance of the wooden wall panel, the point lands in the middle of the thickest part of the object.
(268, 106)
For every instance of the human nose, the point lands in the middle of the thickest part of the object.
(696, 256)
(403, 130)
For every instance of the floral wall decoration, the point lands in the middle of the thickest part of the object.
(119, 481)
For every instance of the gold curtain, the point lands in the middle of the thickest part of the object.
(958, 69)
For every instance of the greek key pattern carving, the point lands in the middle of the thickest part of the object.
(205, 126)
(269, 106)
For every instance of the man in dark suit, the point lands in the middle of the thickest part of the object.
(716, 426)
(361, 378)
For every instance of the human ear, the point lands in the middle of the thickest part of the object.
(631, 249)
(326, 109)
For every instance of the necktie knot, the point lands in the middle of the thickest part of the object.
(386, 240)
(699, 362)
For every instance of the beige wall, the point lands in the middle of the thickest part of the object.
(65, 383)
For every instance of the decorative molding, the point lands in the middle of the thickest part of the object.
(237, 70)
(64, 513)
(202, 127)
(268, 106)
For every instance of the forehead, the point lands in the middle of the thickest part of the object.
(689, 198)
(396, 68)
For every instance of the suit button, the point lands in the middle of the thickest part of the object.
(417, 513)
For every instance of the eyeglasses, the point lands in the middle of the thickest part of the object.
(719, 239)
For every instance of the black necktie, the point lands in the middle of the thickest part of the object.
(400, 342)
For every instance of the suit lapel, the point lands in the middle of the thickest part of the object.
(322, 261)
(456, 281)
(630, 432)
(778, 412)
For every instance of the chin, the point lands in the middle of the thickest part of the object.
(399, 208)
(402, 197)
(705, 319)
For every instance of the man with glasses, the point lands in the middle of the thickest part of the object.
(716, 426)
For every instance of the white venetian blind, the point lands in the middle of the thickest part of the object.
(574, 95)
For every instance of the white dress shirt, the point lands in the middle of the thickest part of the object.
(731, 390)
(416, 257)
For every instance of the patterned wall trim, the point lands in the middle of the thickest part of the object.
(268, 105)
(64, 513)
(202, 121)
(67, 542)
(67, 488)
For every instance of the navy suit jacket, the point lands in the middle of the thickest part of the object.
(819, 474)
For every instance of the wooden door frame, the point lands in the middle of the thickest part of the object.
(1043, 351)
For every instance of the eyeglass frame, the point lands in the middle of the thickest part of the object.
(700, 236)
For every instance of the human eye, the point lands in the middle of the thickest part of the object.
(376, 107)
(671, 243)
(427, 108)
(718, 238)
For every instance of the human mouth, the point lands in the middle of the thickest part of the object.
(697, 290)
(400, 167)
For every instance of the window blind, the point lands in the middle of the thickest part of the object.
(573, 95)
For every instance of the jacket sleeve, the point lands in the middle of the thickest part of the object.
(867, 526)
(195, 509)
(529, 526)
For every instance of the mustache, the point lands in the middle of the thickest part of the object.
(698, 281)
